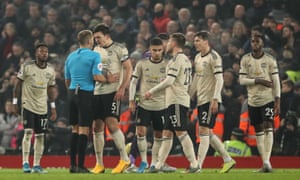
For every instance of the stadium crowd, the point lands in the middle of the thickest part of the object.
(23, 24)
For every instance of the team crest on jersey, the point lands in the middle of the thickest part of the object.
(162, 70)
(100, 66)
(263, 65)
(48, 75)
(109, 53)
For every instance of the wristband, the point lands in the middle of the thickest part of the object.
(15, 101)
(52, 105)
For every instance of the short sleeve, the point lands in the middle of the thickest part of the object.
(97, 65)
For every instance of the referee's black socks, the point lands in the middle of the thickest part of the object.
(82, 144)
(73, 149)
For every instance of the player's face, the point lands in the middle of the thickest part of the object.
(156, 52)
(199, 43)
(256, 43)
(100, 38)
(42, 54)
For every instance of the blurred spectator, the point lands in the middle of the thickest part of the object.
(134, 21)
(8, 125)
(119, 33)
(257, 12)
(233, 56)
(239, 15)
(278, 10)
(236, 146)
(287, 138)
(10, 16)
(197, 9)
(103, 11)
(287, 95)
(224, 8)
(161, 18)
(172, 27)
(145, 33)
(54, 48)
(8, 36)
(184, 19)
(57, 144)
(215, 33)
(15, 58)
(239, 31)
(34, 37)
(222, 47)
(35, 17)
(122, 10)
(230, 94)
(93, 7)
(210, 16)
(171, 9)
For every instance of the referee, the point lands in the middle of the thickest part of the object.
(82, 68)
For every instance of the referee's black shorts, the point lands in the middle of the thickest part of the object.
(81, 108)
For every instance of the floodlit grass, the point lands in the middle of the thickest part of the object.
(206, 174)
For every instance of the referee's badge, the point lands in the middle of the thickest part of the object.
(100, 66)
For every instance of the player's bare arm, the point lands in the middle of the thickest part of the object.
(16, 94)
(127, 71)
(51, 97)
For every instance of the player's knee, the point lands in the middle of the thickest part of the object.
(28, 132)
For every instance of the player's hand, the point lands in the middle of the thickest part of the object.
(119, 94)
(53, 114)
(263, 82)
(111, 78)
(15, 109)
(214, 106)
(147, 95)
(132, 106)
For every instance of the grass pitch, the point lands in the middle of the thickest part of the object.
(206, 174)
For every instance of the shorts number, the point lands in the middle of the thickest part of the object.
(204, 116)
(44, 123)
(173, 119)
(163, 119)
(115, 108)
(269, 112)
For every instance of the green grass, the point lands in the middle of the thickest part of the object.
(206, 174)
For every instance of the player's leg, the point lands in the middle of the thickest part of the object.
(158, 120)
(73, 118)
(179, 121)
(40, 126)
(142, 145)
(143, 120)
(98, 135)
(26, 142)
(204, 124)
(85, 122)
(256, 118)
(217, 144)
(268, 128)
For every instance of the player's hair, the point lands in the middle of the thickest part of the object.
(163, 36)
(41, 45)
(203, 35)
(156, 41)
(103, 28)
(84, 36)
(179, 39)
